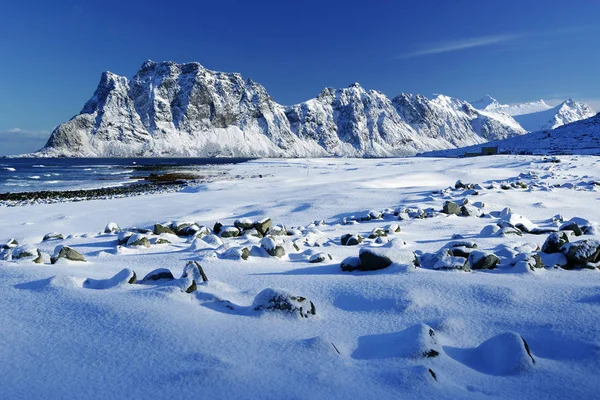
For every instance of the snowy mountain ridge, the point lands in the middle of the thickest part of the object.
(170, 109)
(537, 115)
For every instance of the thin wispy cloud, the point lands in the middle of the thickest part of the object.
(483, 41)
(468, 43)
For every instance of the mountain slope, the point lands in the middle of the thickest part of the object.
(580, 137)
(170, 109)
(537, 115)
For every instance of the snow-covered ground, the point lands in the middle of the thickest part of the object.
(398, 332)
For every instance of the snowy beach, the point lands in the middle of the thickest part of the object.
(526, 327)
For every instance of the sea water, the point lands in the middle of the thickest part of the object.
(41, 174)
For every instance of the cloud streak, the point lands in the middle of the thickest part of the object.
(483, 41)
(463, 44)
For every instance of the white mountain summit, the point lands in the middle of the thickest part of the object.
(170, 109)
(537, 115)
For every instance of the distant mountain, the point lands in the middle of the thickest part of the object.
(170, 109)
(580, 137)
(537, 115)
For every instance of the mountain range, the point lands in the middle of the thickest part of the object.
(537, 115)
(169, 109)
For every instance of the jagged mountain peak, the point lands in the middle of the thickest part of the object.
(187, 110)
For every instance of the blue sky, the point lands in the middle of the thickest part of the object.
(53, 52)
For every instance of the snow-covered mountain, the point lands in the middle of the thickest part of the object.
(170, 109)
(580, 137)
(537, 115)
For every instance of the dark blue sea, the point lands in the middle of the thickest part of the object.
(39, 174)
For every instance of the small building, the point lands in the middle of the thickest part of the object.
(489, 151)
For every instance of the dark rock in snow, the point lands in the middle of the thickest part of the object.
(111, 227)
(451, 207)
(66, 252)
(351, 240)
(350, 264)
(229, 231)
(581, 252)
(263, 225)
(281, 301)
(372, 260)
(571, 226)
(53, 236)
(554, 242)
(160, 228)
(158, 275)
(481, 260)
(319, 257)
(217, 227)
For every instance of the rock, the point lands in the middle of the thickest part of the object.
(11, 244)
(460, 185)
(243, 224)
(460, 251)
(468, 210)
(229, 232)
(581, 252)
(111, 227)
(452, 262)
(252, 232)
(201, 232)
(554, 242)
(319, 257)
(377, 232)
(489, 230)
(158, 275)
(39, 259)
(271, 246)
(508, 231)
(160, 228)
(451, 207)
(416, 342)
(282, 301)
(393, 228)
(505, 354)
(571, 226)
(277, 230)
(263, 225)
(482, 260)
(375, 214)
(25, 251)
(53, 236)
(162, 241)
(217, 228)
(125, 276)
(194, 270)
(123, 237)
(138, 240)
(351, 240)
(350, 264)
(66, 252)
(371, 260)
(235, 253)
(185, 228)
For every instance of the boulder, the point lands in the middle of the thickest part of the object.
(25, 251)
(277, 230)
(124, 277)
(351, 240)
(451, 207)
(482, 260)
(554, 242)
(160, 274)
(243, 223)
(271, 246)
(53, 236)
(123, 237)
(160, 228)
(67, 253)
(185, 228)
(319, 257)
(162, 241)
(111, 227)
(571, 226)
(276, 300)
(581, 252)
(350, 264)
(393, 228)
(372, 260)
(377, 232)
(229, 232)
(138, 240)
(11, 244)
(263, 225)
(217, 227)
(235, 253)
(468, 210)
(375, 215)
(201, 232)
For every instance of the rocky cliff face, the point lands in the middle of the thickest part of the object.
(170, 109)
